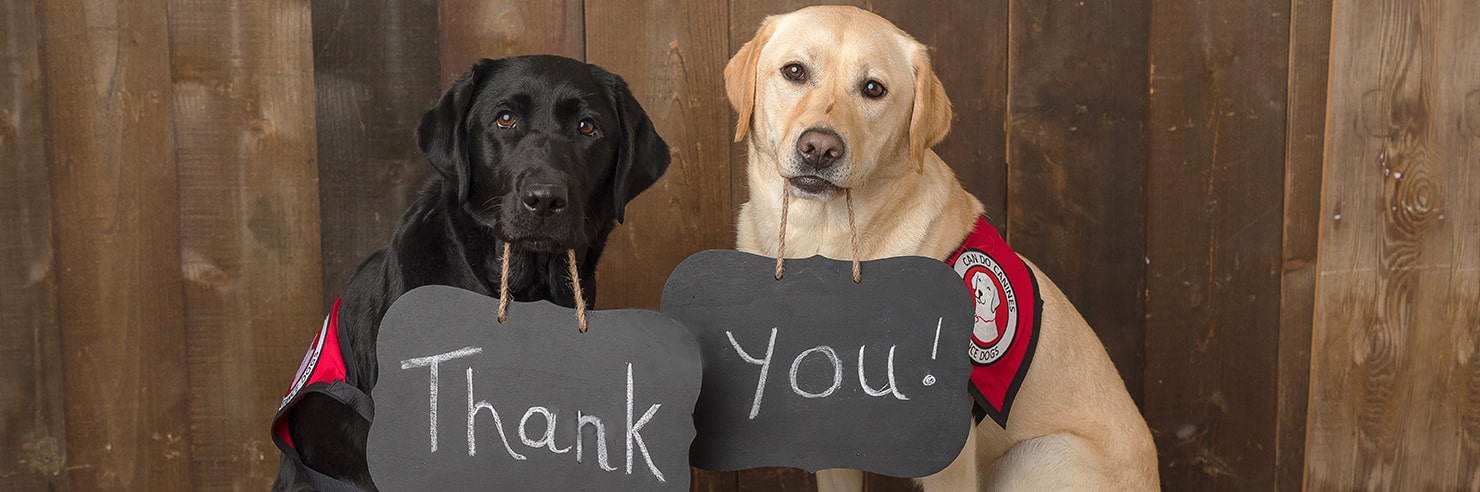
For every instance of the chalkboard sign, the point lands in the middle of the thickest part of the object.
(815, 371)
(466, 403)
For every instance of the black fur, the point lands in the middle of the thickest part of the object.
(455, 232)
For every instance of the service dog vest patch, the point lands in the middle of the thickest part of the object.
(324, 370)
(1005, 330)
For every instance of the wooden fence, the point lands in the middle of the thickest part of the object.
(1268, 209)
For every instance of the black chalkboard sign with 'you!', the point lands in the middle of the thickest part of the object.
(815, 371)
(466, 403)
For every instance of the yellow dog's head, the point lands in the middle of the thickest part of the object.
(836, 96)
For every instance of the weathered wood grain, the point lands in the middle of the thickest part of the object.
(1217, 124)
(672, 56)
(249, 220)
(32, 428)
(1458, 330)
(1305, 129)
(1076, 161)
(1459, 119)
(1393, 380)
(375, 72)
(475, 29)
(106, 74)
(968, 48)
(775, 479)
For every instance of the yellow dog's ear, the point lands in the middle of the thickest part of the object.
(740, 78)
(931, 116)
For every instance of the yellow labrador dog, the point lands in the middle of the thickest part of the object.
(838, 101)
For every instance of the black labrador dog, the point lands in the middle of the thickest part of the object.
(541, 152)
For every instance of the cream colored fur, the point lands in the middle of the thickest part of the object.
(1073, 426)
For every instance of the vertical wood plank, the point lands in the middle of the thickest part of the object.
(1076, 152)
(32, 430)
(249, 215)
(1459, 325)
(117, 237)
(708, 481)
(1394, 385)
(672, 55)
(1457, 329)
(1217, 124)
(776, 479)
(1305, 120)
(968, 47)
(375, 73)
(475, 29)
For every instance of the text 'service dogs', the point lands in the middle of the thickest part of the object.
(467, 403)
(816, 371)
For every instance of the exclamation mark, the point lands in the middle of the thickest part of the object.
(930, 379)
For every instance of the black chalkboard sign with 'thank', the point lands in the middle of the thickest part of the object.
(466, 403)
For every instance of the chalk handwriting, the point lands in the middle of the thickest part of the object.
(760, 387)
(434, 361)
(829, 355)
(837, 367)
(635, 445)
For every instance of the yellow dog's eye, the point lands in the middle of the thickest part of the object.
(505, 119)
(586, 127)
(872, 89)
(794, 72)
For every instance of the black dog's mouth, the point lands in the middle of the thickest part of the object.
(538, 241)
(813, 185)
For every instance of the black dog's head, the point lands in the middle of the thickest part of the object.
(544, 150)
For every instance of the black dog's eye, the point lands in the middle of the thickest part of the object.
(872, 89)
(586, 127)
(794, 72)
(505, 119)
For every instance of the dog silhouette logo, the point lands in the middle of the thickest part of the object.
(995, 324)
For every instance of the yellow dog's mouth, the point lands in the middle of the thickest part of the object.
(813, 185)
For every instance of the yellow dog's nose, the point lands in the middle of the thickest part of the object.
(820, 148)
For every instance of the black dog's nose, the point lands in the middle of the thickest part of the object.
(820, 148)
(544, 199)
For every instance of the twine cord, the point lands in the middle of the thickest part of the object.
(781, 240)
(853, 235)
(503, 287)
(575, 286)
(781, 247)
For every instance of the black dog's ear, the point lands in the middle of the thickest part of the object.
(643, 156)
(442, 132)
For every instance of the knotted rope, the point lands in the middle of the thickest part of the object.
(575, 287)
(503, 286)
(781, 241)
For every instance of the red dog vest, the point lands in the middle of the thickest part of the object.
(1005, 333)
(324, 370)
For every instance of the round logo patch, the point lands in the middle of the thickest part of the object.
(995, 324)
(305, 368)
